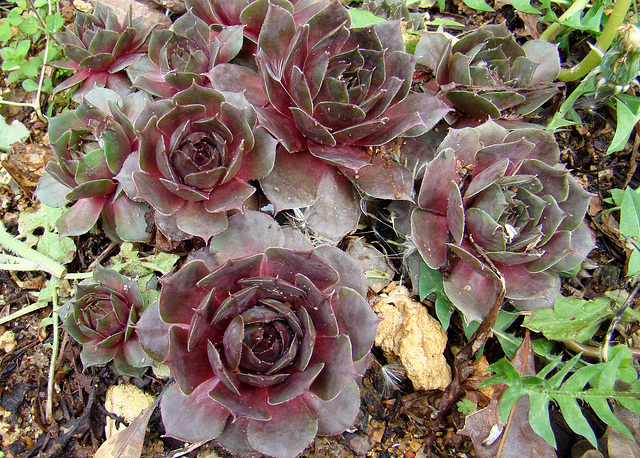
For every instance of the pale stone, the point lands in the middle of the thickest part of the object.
(8, 341)
(126, 401)
(410, 334)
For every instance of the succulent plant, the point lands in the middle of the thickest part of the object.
(486, 71)
(100, 48)
(197, 153)
(265, 340)
(247, 13)
(102, 318)
(92, 143)
(337, 94)
(397, 9)
(184, 55)
(496, 197)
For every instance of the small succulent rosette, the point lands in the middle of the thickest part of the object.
(486, 71)
(92, 143)
(100, 47)
(102, 318)
(183, 55)
(265, 340)
(198, 152)
(249, 14)
(496, 197)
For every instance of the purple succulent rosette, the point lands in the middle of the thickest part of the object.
(183, 55)
(92, 143)
(102, 318)
(247, 13)
(265, 340)
(499, 196)
(100, 48)
(486, 71)
(334, 92)
(197, 154)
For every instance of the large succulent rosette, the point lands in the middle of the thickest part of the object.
(334, 93)
(92, 143)
(197, 153)
(100, 47)
(248, 13)
(265, 340)
(183, 55)
(486, 71)
(494, 197)
(102, 317)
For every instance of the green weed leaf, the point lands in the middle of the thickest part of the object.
(431, 282)
(11, 133)
(594, 385)
(479, 5)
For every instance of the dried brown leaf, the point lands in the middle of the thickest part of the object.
(515, 438)
(128, 443)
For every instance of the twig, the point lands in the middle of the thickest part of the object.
(633, 162)
(54, 353)
(23, 311)
(462, 359)
(23, 250)
(102, 256)
(616, 319)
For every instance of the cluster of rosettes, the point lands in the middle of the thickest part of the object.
(282, 105)
(214, 96)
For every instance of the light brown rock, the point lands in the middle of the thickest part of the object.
(126, 401)
(410, 334)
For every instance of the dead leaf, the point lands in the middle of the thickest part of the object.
(25, 163)
(515, 438)
(128, 443)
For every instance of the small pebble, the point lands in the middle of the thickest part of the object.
(8, 342)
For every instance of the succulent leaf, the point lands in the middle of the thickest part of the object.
(269, 333)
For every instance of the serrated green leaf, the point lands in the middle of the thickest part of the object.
(539, 417)
(525, 6)
(627, 119)
(135, 264)
(61, 250)
(44, 217)
(575, 419)
(11, 133)
(570, 319)
(362, 18)
(479, 5)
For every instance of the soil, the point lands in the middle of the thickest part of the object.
(394, 421)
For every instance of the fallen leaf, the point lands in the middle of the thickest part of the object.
(515, 438)
(128, 443)
(25, 163)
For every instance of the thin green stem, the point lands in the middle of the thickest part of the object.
(573, 9)
(23, 250)
(54, 352)
(620, 9)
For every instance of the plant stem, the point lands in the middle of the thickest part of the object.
(620, 9)
(573, 9)
(23, 250)
(54, 353)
